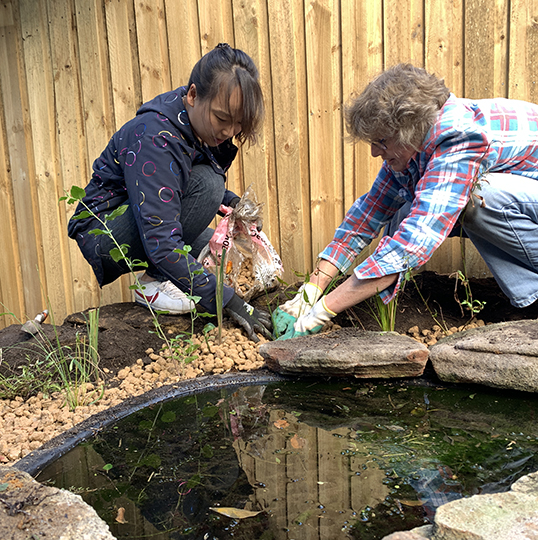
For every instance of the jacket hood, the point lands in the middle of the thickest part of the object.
(170, 105)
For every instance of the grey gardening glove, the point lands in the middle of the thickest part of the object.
(249, 318)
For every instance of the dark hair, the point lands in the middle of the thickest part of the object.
(224, 69)
(401, 103)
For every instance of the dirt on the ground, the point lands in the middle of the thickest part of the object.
(126, 330)
(132, 361)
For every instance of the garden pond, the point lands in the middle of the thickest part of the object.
(301, 460)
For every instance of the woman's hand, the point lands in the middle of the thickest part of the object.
(287, 314)
(249, 318)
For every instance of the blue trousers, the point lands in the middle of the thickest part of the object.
(504, 230)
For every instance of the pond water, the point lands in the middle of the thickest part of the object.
(308, 460)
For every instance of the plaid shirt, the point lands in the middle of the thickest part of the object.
(469, 139)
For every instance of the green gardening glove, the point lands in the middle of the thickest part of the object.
(312, 322)
(287, 314)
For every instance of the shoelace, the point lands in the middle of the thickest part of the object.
(171, 290)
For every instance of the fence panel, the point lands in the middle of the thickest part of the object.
(72, 72)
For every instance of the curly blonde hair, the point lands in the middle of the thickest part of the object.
(401, 104)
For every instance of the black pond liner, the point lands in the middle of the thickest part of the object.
(36, 461)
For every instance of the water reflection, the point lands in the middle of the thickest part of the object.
(321, 461)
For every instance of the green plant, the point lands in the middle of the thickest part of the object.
(34, 377)
(120, 253)
(182, 347)
(440, 321)
(385, 314)
(60, 367)
(473, 305)
(78, 367)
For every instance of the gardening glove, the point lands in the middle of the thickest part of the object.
(287, 314)
(249, 318)
(234, 201)
(312, 322)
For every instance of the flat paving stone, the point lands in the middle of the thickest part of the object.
(502, 355)
(348, 352)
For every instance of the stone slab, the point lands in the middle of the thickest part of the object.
(420, 533)
(31, 510)
(348, 352)
(503, 355)
(500, 516)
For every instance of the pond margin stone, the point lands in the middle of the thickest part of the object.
(348, 352)
(502, 355)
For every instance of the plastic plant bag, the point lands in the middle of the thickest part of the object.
(252, 263)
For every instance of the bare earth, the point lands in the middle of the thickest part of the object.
(133, 363)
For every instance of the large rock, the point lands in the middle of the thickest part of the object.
(499, 516)
(348, 352)
(420, 533)
(30, 510)
(502, 355)
(512, 515)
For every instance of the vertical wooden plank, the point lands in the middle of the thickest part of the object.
(301, 480)
(485, 48)
(485, 75)
(290, 127)
(444, 42)
(72, 152)
(11, 293)
(251, 36)
(152, 48)
(367, 487)
(403, 35)
(325, 135)
(124, 74)
(99, 123)
(444, 57)
(123, 59)
(362, 60)
(126, 92)
(20, 167)
(217, 26)
(333, 478)
(523, 50)
(52, 221)
(403, 32)
(184, 46)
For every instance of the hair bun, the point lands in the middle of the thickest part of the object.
(223, 46)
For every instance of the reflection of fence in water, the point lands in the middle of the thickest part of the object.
(305, 474)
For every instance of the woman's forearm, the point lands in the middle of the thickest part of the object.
(353, 291)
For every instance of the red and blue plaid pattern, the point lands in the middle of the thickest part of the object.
(469, 139)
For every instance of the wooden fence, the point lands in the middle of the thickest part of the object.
(73, 71)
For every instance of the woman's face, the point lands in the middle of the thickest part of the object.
(216, 121)
(396, 156)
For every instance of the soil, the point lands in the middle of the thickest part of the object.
(128, 345)
(126, 329)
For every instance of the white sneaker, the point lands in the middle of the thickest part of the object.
(164, 296)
